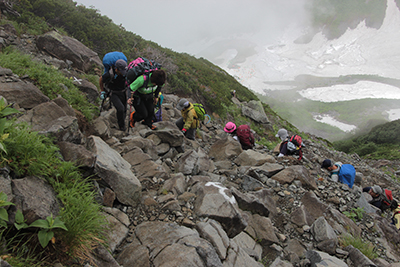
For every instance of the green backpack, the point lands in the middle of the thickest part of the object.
(200, 111)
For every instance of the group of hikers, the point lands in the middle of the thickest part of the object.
(144, 94)
(343, 173)
(381, 199)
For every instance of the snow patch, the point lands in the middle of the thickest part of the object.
(332, 121)
(359, 90)
(221, 190)
(394, 114)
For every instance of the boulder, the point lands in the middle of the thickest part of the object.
(67, 48)
(35, 198)
(216, 202)
(115, 171)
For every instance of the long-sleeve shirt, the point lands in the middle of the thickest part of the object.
(189, 116)
(335, 173)
(140, 85)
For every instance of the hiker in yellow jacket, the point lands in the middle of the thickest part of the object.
(189, 121)
(395, 208)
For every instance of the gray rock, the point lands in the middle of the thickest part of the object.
(65, 47)
(115, 171)
(35, 198)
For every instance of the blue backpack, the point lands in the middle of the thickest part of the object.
(347, 174)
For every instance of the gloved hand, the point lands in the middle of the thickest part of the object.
(102, 95)
(184, 130)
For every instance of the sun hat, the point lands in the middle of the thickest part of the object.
(377, 189)
(326, 163)
(230, 127)
(183, 103)
(282, 134)
(121, 65)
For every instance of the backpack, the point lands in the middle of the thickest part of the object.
(389, 198)
(347, 174)
(245, 136)
(200, 111)
(139, 67)
(294, 145)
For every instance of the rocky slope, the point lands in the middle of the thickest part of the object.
(171, 201)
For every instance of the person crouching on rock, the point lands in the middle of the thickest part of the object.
(189, 121)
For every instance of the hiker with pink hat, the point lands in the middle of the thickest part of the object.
(243, 134)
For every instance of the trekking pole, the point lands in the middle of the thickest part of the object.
(101, 106)
(129, 119)
(104, 100)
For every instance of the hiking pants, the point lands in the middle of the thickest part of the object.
(190, 133)
(144, 108)
(118, 99)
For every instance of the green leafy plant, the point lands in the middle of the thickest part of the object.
(3, 211)
(5, 111)
(47, 226)
(355, 213)
(20, 220)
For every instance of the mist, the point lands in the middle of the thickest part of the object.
(191, 26)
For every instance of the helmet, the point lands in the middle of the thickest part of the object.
(230, 127)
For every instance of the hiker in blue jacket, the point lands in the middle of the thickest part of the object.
(112, 83)
(145, 92)
(339, 172)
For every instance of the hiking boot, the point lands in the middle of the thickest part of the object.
(153, 127)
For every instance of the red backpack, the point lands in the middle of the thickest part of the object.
(245, 136)
(389, 198)
(294, 145)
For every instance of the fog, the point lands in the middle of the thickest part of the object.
(255, 42)
(192, 25)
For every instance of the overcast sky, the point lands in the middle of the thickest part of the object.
(181, 24)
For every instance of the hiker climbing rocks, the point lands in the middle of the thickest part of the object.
(189, 121)
(289, 145)
(242, 134)
(145, 92)
(112, 84)
(381, 199)
(344, 173)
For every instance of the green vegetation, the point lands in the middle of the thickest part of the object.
(355, 213)
(80, 224)
(366, 248)
(3, 211)
(335, 16)
(187, 75)
(49, 80)
(382, 142)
